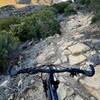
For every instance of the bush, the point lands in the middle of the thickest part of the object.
(84, 2)
(7, 22)
(8, 43)
(60, 6)
(38, 25)
(64, 8)
(95, 6)
(94, 19)
(69, 10)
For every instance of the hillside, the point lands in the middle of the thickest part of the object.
(75, 44)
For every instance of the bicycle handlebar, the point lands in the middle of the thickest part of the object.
(73, 71)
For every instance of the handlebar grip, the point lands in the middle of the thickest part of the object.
(12, 73)
(90, 72)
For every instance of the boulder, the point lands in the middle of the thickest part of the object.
(74, 60)
(78, 48)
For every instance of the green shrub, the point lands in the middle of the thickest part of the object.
(84, 2)
(64, 8)
(7, 22)
(95, 6)
(60, 6)
(38, 25)
(69, 10)
(8, 43)
(94, 19)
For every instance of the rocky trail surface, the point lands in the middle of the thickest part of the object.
(78, 43)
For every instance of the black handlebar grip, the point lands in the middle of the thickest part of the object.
(90, 72)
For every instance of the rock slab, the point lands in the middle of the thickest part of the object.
(74, 60)
(78, 48)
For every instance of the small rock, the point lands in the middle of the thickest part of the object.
(60, 42)
(78, 36)
(64, 91)
(93, 52)
(78, 48)
(65, 45)
(32, 81)
(73, 60)
(50, 54)
(30, 92)
(95, 58)
(69, 91)
(11, 97)
(64, 59)
(66, 52)
(4, 84)
(41, 58)
(96, 43)
(22, 99)
(20, 83)
(78, 98)
(92, 98)
(57, 62)
(61, 79)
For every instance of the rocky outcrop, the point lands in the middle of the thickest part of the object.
(74, 60)
(78, 48)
